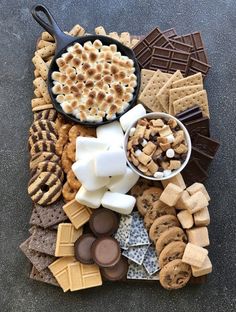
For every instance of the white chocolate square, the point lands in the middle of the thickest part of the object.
(90, 199)
(118, 202)
(133, 114)
(86, 147)
(196, 202)
(206, 268)
(122, 184)
(194, 255)
(185, 219)
(177, 180)
(198, 236)
(171, 194)
(110, 163)
(196, 187)
(202, 217)
(112, 134)
(84, 171)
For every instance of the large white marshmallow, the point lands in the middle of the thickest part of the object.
(110, 163)
(87, 147)
(133, 114)
(120, 203)
(84, 171)
(122, 184)
(90, 199)
(111, 133)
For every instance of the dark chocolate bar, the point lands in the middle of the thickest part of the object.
(169, 60)
(188, 111)
(199, 55)
(197, 66)
(169, 33)
(207, 145)
(193, 39)
(203, 159)
(199, 126)
(143, 50)
(190, 114)
(178, 45)
(193, 172)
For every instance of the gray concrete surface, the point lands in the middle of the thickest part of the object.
(18, 32)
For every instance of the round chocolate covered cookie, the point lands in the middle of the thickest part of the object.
(162, 224)
(48, 166)
(146, 200)
(171, 235)
(172, 251)
(43, 125)
(41, 135)
(48, 114)
(43, 146)
(175, 274)
(43, 156)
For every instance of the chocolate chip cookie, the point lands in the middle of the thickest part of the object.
(157, 210)
(175, 274)
(162, 224)
(172, 251)
(140, 187)
(171, 235)
(146, 200)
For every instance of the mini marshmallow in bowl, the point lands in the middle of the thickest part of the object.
(157, 146)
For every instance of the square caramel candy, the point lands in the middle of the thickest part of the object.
(177, 180)
(186, 219)
(196, 187)
(202, 217)
(182, 200)
(196, 202)
(171, 194)
(206, 268)
(198, 236)
(194, 255)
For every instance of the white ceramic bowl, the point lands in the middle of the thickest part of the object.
(187, 138)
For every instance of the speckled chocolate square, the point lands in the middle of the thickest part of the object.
(43, 240)
(136, 271)
(136, 253)
(150, 261)
(123, 232)
(39, 260)
(138, 234)
(43, 276)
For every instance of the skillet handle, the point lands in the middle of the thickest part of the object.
(51, 26)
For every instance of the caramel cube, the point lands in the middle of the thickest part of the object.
(198, 236)
(206, 268)
(202, 217)
(182, 200)
(196, 202)
(177, 180)
(77, 213)
(171, 194)
(185, 219)
(196, 187)
(194, 255)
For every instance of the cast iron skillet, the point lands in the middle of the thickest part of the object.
(63, 41)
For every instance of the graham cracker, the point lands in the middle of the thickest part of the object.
(163, 94)
(39, 260)
(146, 75)
(43, 241)
(188, 81)
(178, 93)
(198, 98)
(148, 96)
(44, 276)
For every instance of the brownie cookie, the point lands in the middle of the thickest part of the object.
(48, 166)
(41, 135)
(43, 146)
(44, 188)
(48, 114)
(172, 251)
(175, 274)
(43, 125)
(43, 156)
(157, 210)
(146, 200)
(171, 235)
(162, 224)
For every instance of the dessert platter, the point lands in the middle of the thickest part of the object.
(119, 148)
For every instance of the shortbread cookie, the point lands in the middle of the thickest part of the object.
(44, 188)
(157, 210)
(43, 146)
(175, 274)
(171, 235)
(172, 251)
(146, 200)
(43, 125)
(162, 224)
(41, 135)
(48, 114)
(48, 166)
(43, 156)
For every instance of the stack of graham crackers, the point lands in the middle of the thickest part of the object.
(172, 93)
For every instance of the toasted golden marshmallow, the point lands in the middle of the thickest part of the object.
(109, 99)
(69, 82)
(80, 77)
(70, 71)
(75, 62)
(114, 69)
(107, 79)
(66, 107)
(60, 98)
(65, 89)
(129, 90)
(121, 75)
(101, 96)
(113, 48)
(97, 44)
(105, 48)
(69, 97)
(89, 103)
(88, 45)
(100, 84)
(92, 94)
(57, 88)
(56, 76)
(106, 72)
(68, 58)
(84, 56)
(128, 97)
(91, 72)
(89, 84)
(118, 89)
(108, 56)
(74, 104)
(86, 66)
(133, 84)
(99, 68)
(93, 56)
(60, 62)
(97, 76)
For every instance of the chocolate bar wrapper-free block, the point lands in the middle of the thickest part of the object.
(206, 145)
